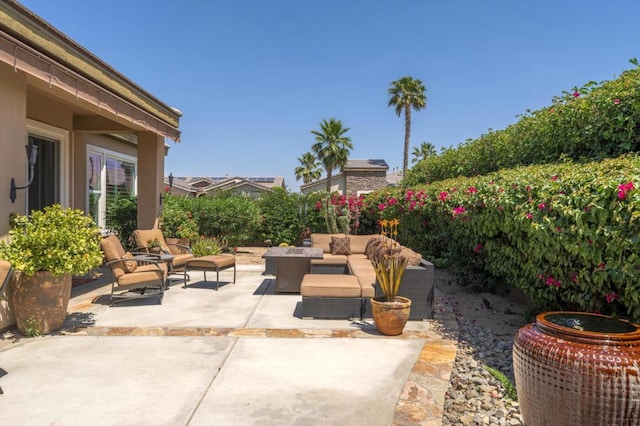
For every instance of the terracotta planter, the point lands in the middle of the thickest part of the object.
(39, 301)
(390, 317)
(575, 368)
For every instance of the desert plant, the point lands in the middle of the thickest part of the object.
(207, 246)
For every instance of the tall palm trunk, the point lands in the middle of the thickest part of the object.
(329, 175)
(407, 135)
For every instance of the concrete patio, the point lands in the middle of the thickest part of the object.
(238, 356)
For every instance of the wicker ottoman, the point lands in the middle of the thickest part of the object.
(215, 263)
(331, 296)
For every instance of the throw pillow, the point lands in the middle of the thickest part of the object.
(129, 265)
(340, 246)
(413, 258)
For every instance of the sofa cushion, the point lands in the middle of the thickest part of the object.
(363, 270)
(340, 246)
(331, 285)
(323, 241)
(359, 242)
(331, 259)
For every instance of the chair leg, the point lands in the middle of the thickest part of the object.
(217, 279)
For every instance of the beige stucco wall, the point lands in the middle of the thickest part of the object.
(151, 177)
(13, 107)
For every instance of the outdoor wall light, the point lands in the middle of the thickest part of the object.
(170, 188)
(32, 155)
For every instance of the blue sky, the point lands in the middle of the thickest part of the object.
(254, 77)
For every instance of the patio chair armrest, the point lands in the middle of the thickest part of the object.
(186, 249)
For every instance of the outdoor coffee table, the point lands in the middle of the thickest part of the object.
(292, 263)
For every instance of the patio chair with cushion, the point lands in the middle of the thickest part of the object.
(181, 254)
(132, 277)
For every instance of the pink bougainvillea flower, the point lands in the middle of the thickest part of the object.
(318, 205)
(529, 216)
(528, 188)
(554, 178)
(624, 188)
(443, 196)
(472, 190)
(542, 206)
(413, 205)
(576, 94)
(601, 266)
(616, 101)
(408, 195)
(611, 297)
(458, 210)
(381, 206)
(477, 248)
(392, 201)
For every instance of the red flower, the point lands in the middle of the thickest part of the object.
(611, 297)
(477, 248)
(458, 211)
(616, 101)
(443, 196)
(472, 190)
(381, 206)
(576, 94)
(542, 206)
(529, 216)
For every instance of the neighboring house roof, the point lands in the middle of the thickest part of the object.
(202, 184)
(393, 179)
(30, 44)
(352, 166)
(357, 165)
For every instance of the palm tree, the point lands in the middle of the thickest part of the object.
(332, 146)
(309, 169)
(425, 150)
(407, 93)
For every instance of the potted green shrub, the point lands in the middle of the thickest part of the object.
(46, 249)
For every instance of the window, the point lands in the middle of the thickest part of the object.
(110, 176)
(49, 184)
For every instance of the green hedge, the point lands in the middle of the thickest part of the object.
(567, 235)
(596, 121)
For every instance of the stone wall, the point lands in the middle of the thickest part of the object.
(365, 181)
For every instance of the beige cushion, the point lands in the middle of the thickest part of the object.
(219, 261)
(359, 242)
(144, 274)
(331, 259)
(330, 285)
(340, 246)
(131, 265)
(143, 236)
(179, 260)
(113, 250)
(363, 270)
(323, 241)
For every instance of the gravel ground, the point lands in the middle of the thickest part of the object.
(475, 396)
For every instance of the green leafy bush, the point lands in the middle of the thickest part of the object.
(595, 121)
(207, 246)
(567, 234)
(122, 218)
(281, 217)
(60, 240)
(176, 220)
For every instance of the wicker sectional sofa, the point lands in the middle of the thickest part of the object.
(342, 283)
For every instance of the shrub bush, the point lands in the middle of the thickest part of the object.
(568, 235)
(122, 219)
(595, 121)
(281, 217)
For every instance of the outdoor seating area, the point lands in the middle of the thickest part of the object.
(147, 272)
(341, 284)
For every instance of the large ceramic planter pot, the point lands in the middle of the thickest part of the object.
(578, 369)
(39, 302)
(390, 317)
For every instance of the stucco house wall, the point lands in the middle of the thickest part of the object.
(50, 87)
